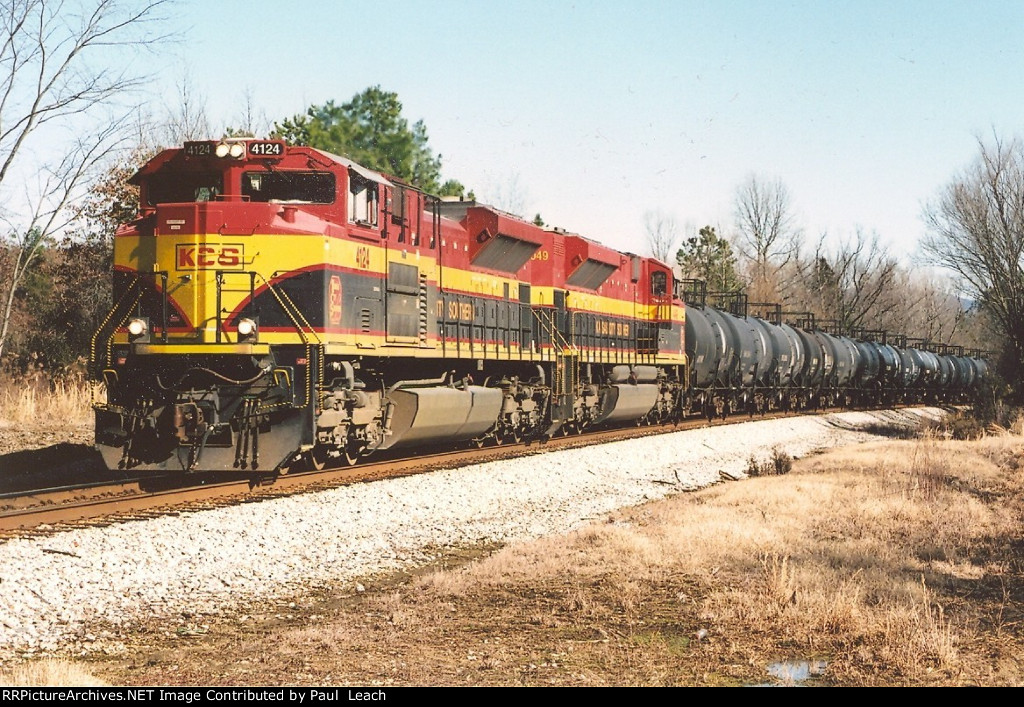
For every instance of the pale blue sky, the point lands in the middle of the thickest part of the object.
(593, 113)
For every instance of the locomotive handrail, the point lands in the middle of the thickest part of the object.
(561, 342)
(219, 279)
(294, 313)
(106, 320)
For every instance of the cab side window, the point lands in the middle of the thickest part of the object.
(362, 200)
(659, 283)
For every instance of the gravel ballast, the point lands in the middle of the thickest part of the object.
(71, 590)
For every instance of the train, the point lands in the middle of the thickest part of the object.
(279, 307)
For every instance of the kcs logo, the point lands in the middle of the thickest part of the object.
(203, 257)
(334, 300)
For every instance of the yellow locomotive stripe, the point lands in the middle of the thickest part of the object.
(191, 261)
(249, 349)
(270, 254)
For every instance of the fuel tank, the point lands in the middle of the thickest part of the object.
(441, 414)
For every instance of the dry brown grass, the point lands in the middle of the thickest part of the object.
(25, 400)
(897, 563)
(50, 673)
(858, 556)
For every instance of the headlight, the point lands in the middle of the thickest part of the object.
(138, 327)
(246, 328)
(236, 150)
(222, 149)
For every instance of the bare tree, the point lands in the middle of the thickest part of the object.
(662, 235)
(509, 196)
(767, 235)
(186, 118)
(50, 214)
(976, 230)
(249, 122)
(927, 307)
(851, 283)
(53, 82)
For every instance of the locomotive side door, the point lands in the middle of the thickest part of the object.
(407, 296)
(363, 294)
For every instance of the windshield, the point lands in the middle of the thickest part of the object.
(289, 187)
(180, 187)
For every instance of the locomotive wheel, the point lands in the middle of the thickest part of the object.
(318, 457)
(514, 431)
(294, 462)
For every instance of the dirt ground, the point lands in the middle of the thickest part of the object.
(40, 456)
(21, 437)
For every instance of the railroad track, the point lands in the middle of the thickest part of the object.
(45, 511)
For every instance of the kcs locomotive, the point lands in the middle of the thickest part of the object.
(280, 306)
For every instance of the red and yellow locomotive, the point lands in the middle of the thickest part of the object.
(277, 305)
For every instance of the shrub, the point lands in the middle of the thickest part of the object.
(779, 463)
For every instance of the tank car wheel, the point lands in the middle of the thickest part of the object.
(350, 457)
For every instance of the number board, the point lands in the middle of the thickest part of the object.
(198, 149)
(266, 148)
